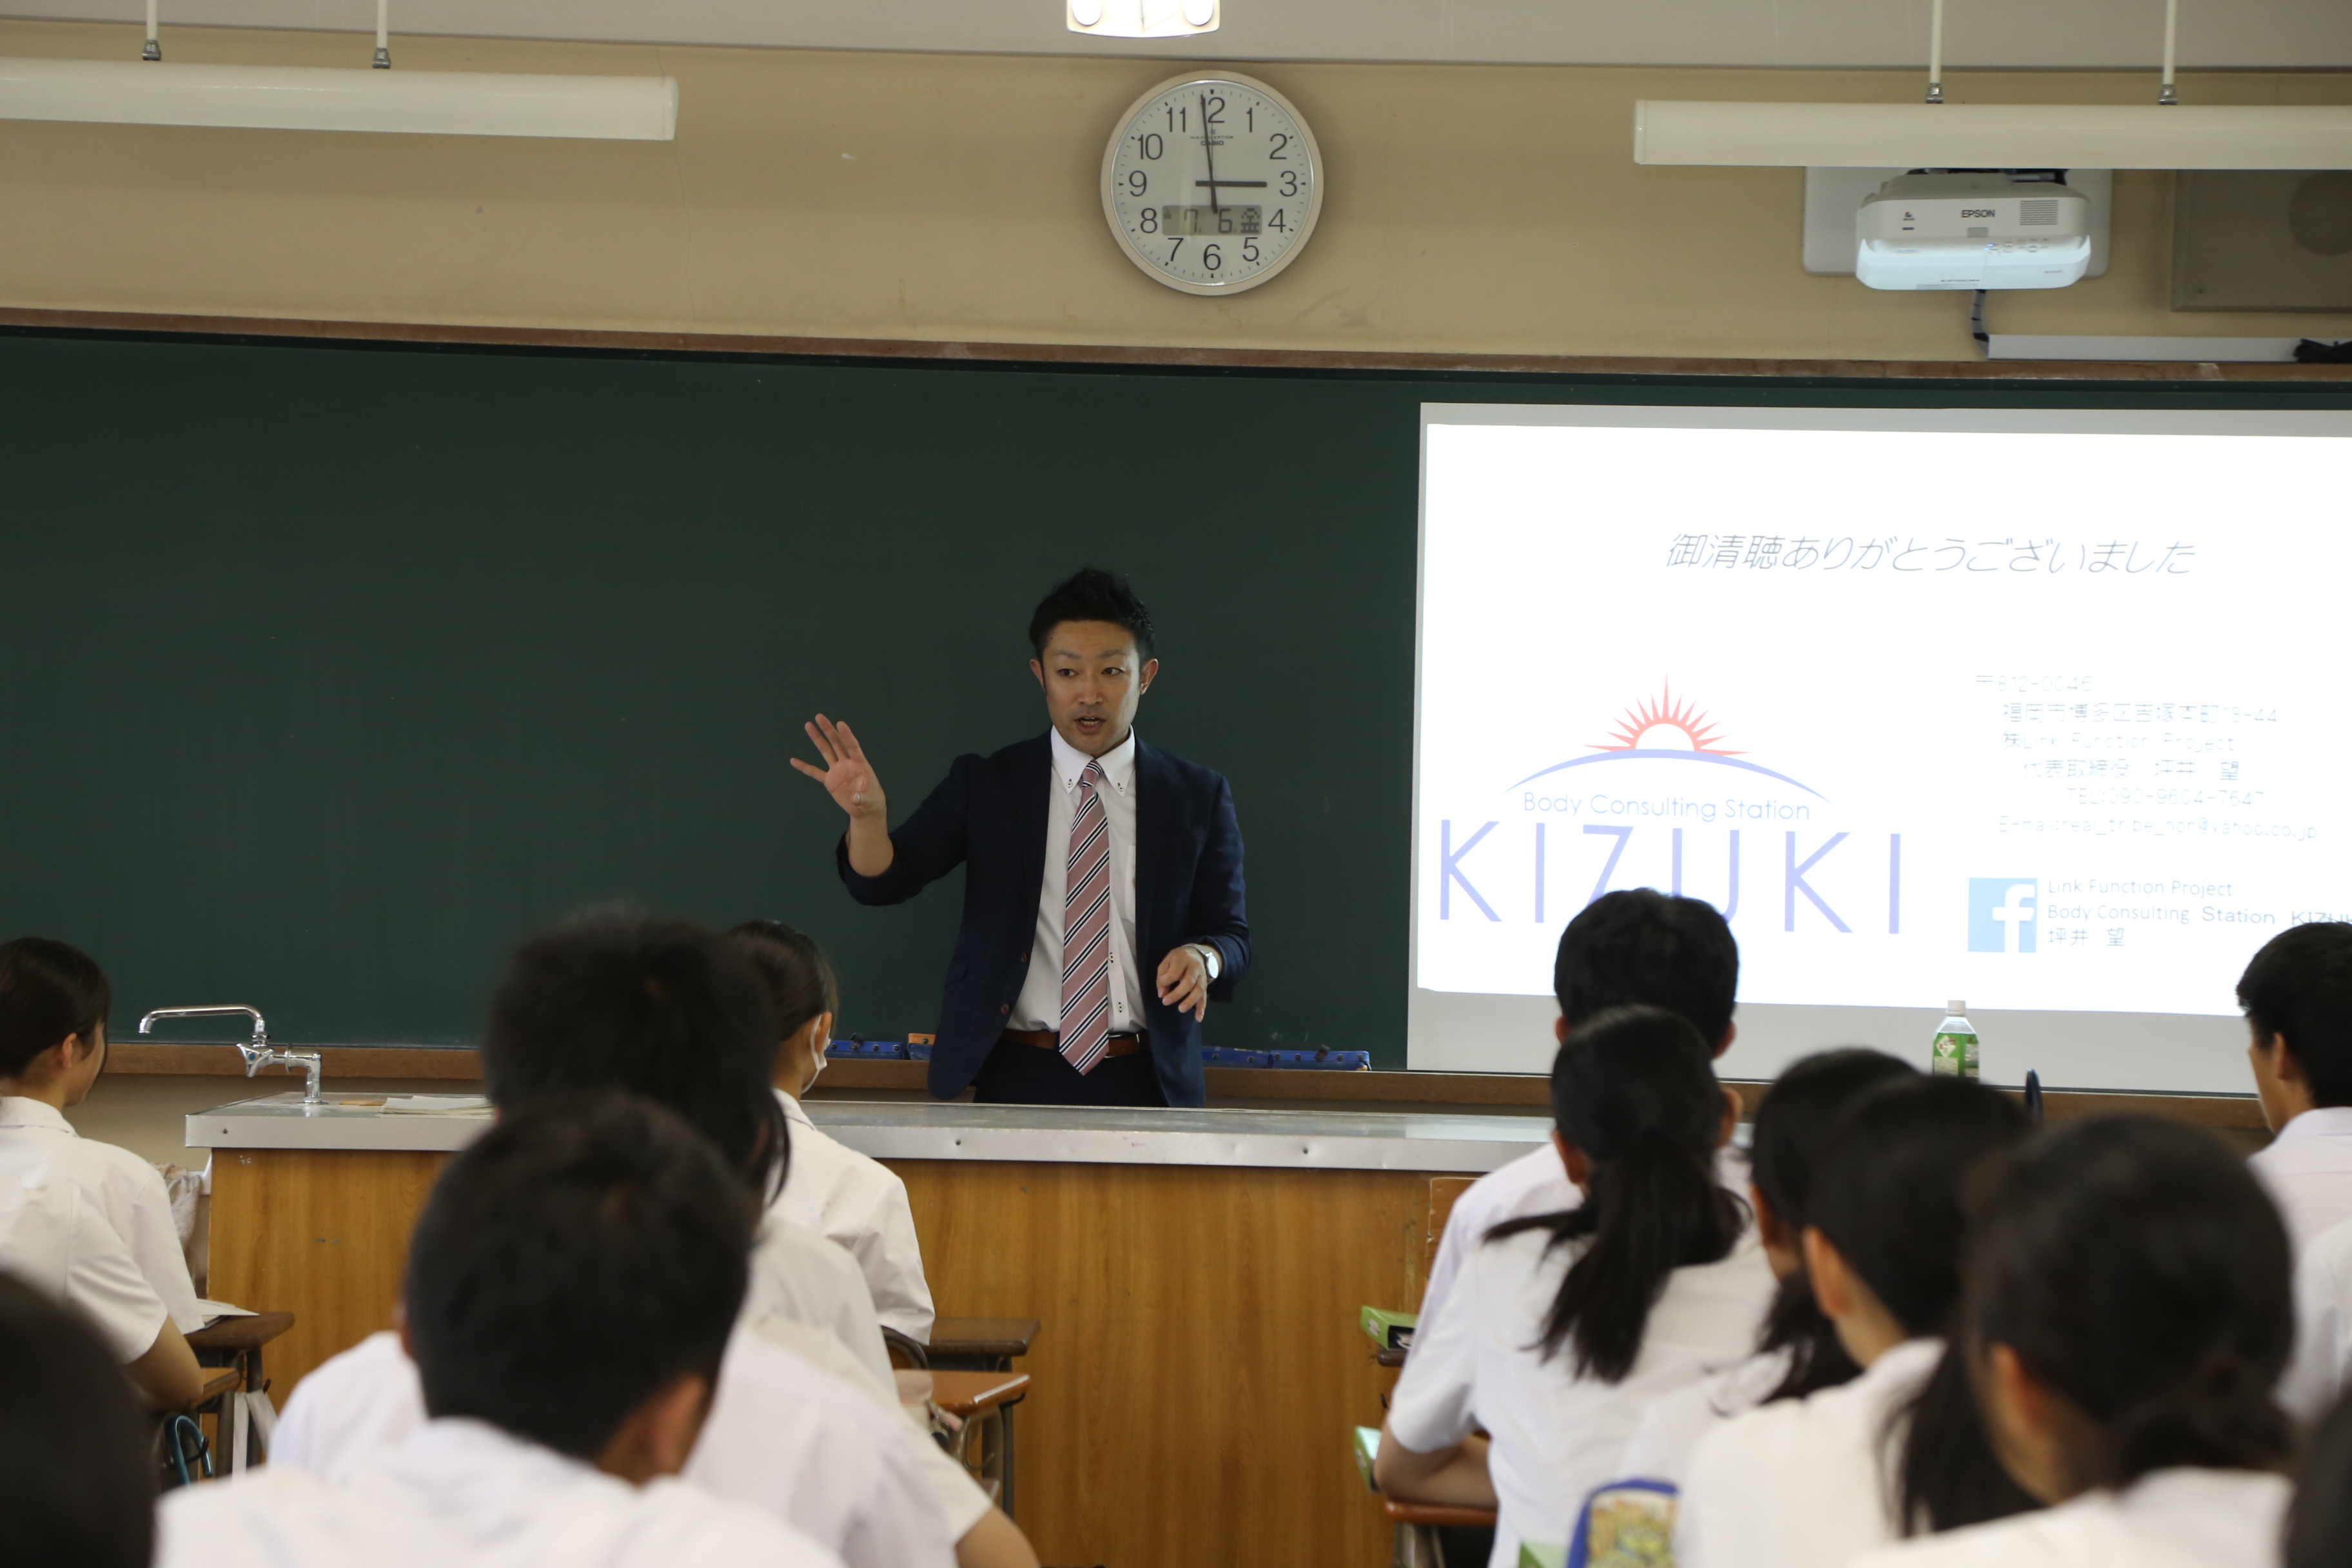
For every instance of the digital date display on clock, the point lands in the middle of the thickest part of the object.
(1211, 220)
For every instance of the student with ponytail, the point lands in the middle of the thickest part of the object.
(2127, 1315)
(1565, 1326)
(1797, 1351)
(1817, 1481)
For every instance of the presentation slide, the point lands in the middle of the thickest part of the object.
(2044, 710)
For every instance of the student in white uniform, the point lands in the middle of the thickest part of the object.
(849, 1198)
(54, 1239)
(1563, 1327)
(77, 1480)
(2127, 1316)
(1815, 1482)
(1634, 946)
(54, 1000)
(2322, 1367)
(673, 1012)
(2297, 997)
(1796, 1352)
(571, 1285)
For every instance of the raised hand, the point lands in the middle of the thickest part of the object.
(847, 775)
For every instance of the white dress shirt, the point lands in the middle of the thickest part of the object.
(39, 1145)
(1556, 1434)
(800, 1277)
(54, 1239)
(458, 1494)
(1801, 1483)
(782, 1438)
(2323, 1327)
(2308, 1170)
(860, 1203)
(1039, 1005)
(2170, 1518)
(1675, 1423)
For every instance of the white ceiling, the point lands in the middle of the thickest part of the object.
(2015, 34)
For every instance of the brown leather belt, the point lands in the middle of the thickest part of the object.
(1051, 1040)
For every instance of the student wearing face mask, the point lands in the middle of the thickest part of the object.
(832, 1189)
(2127, 1317)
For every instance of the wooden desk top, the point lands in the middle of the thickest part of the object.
(241, 1333)
(1434, 1513)
(983, 1336)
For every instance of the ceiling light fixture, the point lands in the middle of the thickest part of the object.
(1992, 135)
(1142, 18)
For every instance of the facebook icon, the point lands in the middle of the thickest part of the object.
(2002, 912)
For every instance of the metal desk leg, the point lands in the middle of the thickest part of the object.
(1004, 1435)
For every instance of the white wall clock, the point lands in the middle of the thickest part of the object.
(1212, 182)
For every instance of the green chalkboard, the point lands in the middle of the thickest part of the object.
(326, 671)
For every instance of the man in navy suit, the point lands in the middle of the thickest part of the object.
(1088, 855)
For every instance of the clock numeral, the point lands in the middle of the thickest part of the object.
(1150, 222)
(1149, 144)
(1172, 250)
(1276, 221)
(1176, 117)
(1249, 118)
(1137, 183)
(1249, 251)
(1278, 155)
(1291, 181)
(1212, 113)
(1209, 257)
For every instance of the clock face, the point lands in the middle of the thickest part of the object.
(1212, 183)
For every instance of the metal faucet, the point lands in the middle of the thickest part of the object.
(258, 1052)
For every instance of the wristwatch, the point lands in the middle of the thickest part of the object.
(1211, 958)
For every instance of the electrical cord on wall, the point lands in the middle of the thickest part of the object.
(1977, 326)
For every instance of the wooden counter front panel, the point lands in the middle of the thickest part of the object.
(1199, 1365)
(320, 1235)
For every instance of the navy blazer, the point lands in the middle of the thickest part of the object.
(988, 813)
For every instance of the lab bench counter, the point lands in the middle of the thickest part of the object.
(1198, 1274)
(1329, 1140)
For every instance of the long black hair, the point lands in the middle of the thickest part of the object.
(2140, 1273)
(1888, 1199)
(77, 1482)
(1795, 1125)
(1634, 1088)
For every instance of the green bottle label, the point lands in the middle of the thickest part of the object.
(1955, 1054)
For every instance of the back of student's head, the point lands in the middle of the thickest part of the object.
(1641, 947)
(2319, 1525)
(2298, 988)
(1634, 1090)
(1888, 1199)
(1794, 1124)
(640, 1004)
(580, 1257)
(2140, 1272)
(799, 978)
(47, 991)
(77, 1488)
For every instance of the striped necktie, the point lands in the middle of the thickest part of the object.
(1086, 931)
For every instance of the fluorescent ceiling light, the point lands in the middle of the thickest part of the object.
(1992, 135)
(1142, 18)
(291, 98)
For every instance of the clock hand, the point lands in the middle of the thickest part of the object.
(1259, 184)
(1209, 145)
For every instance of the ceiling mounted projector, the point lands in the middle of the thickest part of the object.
(1972, 230)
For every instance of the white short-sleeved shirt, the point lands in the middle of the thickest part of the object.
(2170, 1519)
(798, 1276)
(54, 1239)
(1801, 1483)
(39, 1145)
(459, 1494)
(859, 1203)
(2308, 1170)
(1675, 1425)
(2323, 1327)
(782, 1438)
(1557, 1434)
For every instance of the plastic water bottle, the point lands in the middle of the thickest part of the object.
(1953, 1054)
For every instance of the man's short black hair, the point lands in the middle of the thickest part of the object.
(1093, 595)
(1639, 947)
(77, 1483)
(2299, 988)
(47, 991)
(577, 1259)
(620, 1000)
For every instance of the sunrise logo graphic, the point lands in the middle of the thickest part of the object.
(1666, 729)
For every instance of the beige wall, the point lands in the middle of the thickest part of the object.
(1469, 209)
